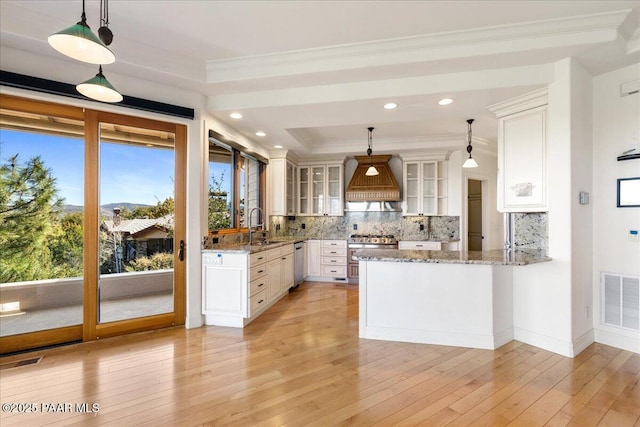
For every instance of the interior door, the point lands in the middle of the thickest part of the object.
(474, 204)
(138, 279)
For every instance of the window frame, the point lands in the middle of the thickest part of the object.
(237, 153)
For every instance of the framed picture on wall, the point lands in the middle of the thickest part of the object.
(629, 192)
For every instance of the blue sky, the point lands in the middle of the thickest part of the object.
(128, 174)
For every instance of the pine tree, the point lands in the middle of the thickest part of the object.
(29, 208)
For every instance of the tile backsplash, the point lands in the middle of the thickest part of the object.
(530, 230)
(341, 227)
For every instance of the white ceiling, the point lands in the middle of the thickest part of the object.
(314, 75)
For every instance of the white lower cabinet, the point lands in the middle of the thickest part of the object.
(327, 260)
(238, 287)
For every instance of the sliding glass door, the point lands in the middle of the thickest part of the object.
(138, 276)
(92, 224)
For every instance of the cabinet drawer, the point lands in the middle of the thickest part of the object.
(257, 302)
(274, 253)
(334, 243)
(258, 258)
(334, 260)
(334, 252)
(257, 271)
(334, 270)
(258, 285)
(286, 250)
(423, 246)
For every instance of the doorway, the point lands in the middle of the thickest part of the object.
(474, 215)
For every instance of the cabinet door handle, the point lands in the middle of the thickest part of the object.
(261, 284)
(261, 301)
(333, 260)
(333, 252)
(260, 271)
(284, 257)
(333, 271)
(418, 246)
(259, 258)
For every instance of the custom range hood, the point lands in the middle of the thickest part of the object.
(373, 193)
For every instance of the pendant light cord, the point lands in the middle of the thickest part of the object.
(104, 12)
(469, 136)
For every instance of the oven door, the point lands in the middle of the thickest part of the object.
(353, 266)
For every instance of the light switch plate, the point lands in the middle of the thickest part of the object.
(584, 198)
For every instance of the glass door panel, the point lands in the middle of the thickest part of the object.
(41, 225)
(411, 188)
(334, 189)
(137, 217)
(317, 190)
(304, 190)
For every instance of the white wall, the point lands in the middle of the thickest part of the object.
(581, 215)
(542, 292)
(616, 128)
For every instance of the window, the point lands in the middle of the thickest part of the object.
(234, 186)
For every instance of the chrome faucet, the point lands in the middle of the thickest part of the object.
(257, 225)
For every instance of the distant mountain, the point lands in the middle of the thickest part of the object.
(107, 209)
(72, 208)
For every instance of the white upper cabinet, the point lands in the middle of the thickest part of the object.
(522, 150)
(425, 188)
(320, 189)
(283, 186)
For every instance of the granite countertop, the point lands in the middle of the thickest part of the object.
(245, 248)
(493, 257)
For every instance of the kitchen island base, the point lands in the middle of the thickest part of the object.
(460, 305)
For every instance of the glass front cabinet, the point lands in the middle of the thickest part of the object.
(425, 188)
(320, 190)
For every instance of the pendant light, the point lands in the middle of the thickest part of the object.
(372, 171)
(469, 163)
(80, 43)
(99, 88)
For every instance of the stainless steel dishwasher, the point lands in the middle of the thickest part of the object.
(298, 264)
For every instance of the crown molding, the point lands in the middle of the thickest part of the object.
(527, 101)
(555, 33)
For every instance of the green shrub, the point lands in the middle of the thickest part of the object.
(157, 261)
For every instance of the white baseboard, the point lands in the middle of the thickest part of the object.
(565, 348)
(488, 342)
(620, 341)
(192, 322)
(583, 342)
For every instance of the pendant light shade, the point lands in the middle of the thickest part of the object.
(469, 163)
(99, 88)
(372, 171)
(80, 43)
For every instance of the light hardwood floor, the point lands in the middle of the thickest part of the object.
(302, 363)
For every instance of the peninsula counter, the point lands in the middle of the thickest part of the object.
(459, 298)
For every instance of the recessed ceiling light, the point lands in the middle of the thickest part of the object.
(235, 115)
(277, 146)
(390, 105)
(260, 133)
(445, 101)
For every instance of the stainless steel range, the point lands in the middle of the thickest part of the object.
(367, 241)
